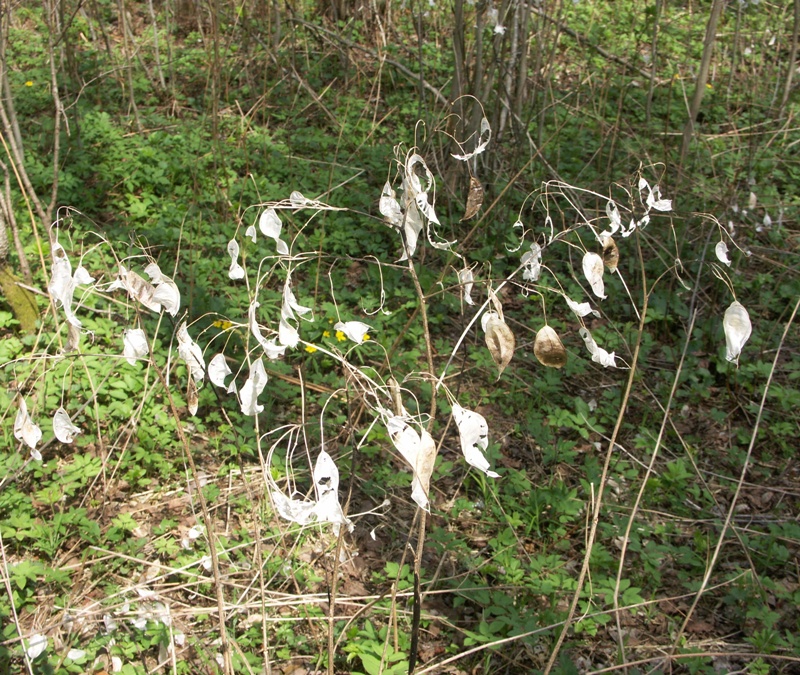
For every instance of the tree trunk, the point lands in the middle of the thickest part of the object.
(702, 76)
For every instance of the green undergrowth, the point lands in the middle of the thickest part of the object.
(105, 546)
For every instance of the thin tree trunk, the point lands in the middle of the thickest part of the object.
(59, 115)
(9, 222)
(521, 93)
(702, 76)
(156, 54)
(735, 53)
(15, 151)
(5, 88)
(123, 19)
(653, 61)
(459, 76)
(509, 15)
(787, 87)
(168, 13)
(477, 72)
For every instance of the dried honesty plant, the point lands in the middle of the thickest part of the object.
(408, 210)
(406, 215)
(466, 278)
(325, 508)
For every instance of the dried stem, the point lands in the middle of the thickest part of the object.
(598, 500)
(734, 503)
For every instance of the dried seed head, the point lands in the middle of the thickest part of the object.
(549, 349)
(610, 254)
(721, 250)
(593, 271)
(500, 341)
(192, 398)
(474, 199)
(737, 326)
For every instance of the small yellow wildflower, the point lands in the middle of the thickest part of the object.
(29, 83)
(311, 349)
(366, 337)
(326, 333)
(222, 323)
(341, 337)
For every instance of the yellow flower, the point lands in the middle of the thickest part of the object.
(29, 83)
(222, 323)
(326, 333)
(341, 337)
(366, 337)
(311, 349)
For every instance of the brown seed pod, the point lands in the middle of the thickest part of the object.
(474, 199)
(500, 341)
(610, 254)
(192, 398)
(549, 349)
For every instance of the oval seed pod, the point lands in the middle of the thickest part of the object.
(549, 349)
(593, 271)
(610, 253)
(63, 428)
(721, 251)
(474, 198)
(500, 341)
(737, 330)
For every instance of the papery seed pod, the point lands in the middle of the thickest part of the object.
(593, 271)
(235, 271)
(218, 370)
(610, 254)
(63, 428)
(466, 278)
(73, 338)
(474, 435)
(192, 396)
(500, 341)
(474, 199)
(136, 345)
(721, 251)
(549, 349)
(737, 326)
(24, 427)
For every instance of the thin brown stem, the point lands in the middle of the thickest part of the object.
(734, 503)
(209, 524)
(423, 520)
(598, 500)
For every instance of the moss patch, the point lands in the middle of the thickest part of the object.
(21, 301)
